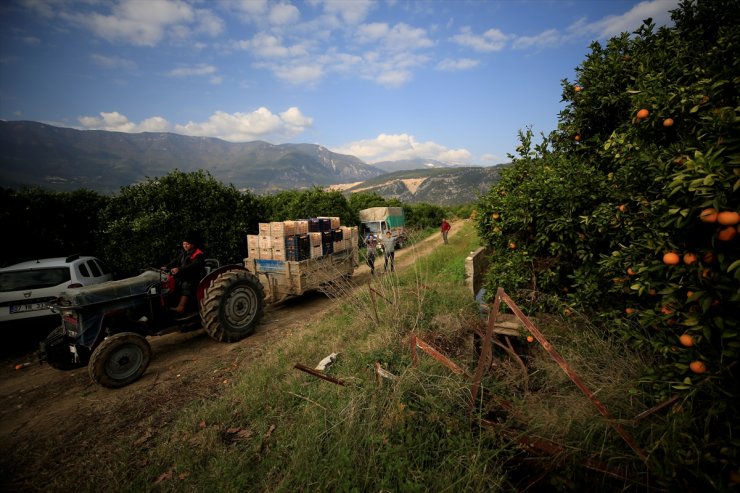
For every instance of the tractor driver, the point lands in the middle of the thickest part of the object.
(188, 268)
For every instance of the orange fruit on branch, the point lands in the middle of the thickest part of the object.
(643, 113)
(728, 218)
(689, 258)
(698, 366)
(530, 339)
(668, 122)
(577, 88)
(671, 258)
(708, 215)
(577, 137)
(727, 234)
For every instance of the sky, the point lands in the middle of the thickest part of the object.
(450, 80)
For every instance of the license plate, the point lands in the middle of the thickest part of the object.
(30, 307)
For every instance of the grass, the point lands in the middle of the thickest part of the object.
(278, 429)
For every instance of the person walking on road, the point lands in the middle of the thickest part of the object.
(389, 248)
(445, 229)
(372, 245)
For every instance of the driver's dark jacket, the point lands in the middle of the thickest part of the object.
(192, 266)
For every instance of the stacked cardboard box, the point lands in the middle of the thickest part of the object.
(301, 227)
(253, 246)
(301, 239)
(315, 242)
(282, 229)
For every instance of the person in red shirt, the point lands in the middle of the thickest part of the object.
(188, 268)
(445, 229)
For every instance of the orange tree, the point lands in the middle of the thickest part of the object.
(645, 164)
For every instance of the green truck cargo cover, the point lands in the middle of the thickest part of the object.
(393, 216)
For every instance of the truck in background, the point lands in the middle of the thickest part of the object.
(378, 220)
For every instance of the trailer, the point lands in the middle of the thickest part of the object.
(282, 279)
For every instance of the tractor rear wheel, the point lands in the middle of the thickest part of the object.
(232, 306)
(120, 360)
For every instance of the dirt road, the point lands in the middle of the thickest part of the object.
(46, 414)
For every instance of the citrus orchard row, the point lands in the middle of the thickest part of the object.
(635, 219)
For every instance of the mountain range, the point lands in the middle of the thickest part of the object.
(65, 159)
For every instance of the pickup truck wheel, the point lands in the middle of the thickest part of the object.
(232, 306)
(120, 360)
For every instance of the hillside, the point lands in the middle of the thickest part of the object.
(65, 159)
(441, 186)
(410, 164)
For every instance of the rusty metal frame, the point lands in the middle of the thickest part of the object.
(431, 351)
(574, 377)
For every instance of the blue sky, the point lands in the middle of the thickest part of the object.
(392, 79)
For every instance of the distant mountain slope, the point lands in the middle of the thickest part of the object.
(65, 159)
(446, 186)
(410, 164)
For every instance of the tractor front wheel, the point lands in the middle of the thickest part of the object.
(120, 360)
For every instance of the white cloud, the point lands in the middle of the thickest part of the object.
(260, 124)
(247, 10)
(44, 8)
(367, 33)
(114, 62)
(403, 37)
(549, 38)
(116, 122)
(392, 147)
(490, 159)
(154, 124)
(350, 12)
(209, 23)
(400, 37)
(606, 27)
(632, 19)
(146, 23)
(30, 40)
(283, 14)
(242, 127)
(450, 65)
(269, 46)
(299, 74)
(489, 41)
(197, 70)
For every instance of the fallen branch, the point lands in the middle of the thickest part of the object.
(318, 374)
